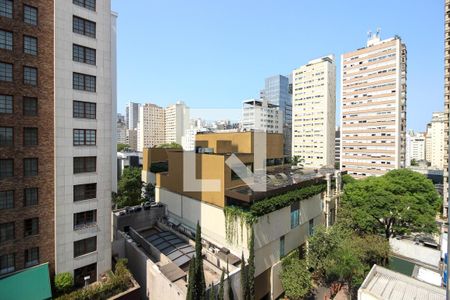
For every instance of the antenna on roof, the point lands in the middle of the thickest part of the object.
(378, 32)
(369, 34)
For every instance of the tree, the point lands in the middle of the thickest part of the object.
(191, 295)
(374, 249)
(121, 147)
(63, 282)
(212, 292)
(251, 267)
(297, 161)
(401, 201)
(172, 145)
(244, 279)
(230, 288)
(199, 273)
(129, 188)
(296, 278)
(149, 191)
(221, 288)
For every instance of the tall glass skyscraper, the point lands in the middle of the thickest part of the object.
(277, 91)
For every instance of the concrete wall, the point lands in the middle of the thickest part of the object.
(141, 219)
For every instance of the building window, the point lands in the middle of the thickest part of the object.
(311, 227)
(31, 257)
(30, 15)
(282, 251)
(7, 263)
(85, 110)
(83, 82)
(295, 214)
(30, 45)
(85, 246)
(6, 72)
(84, 27)
(30, 106)
(6, 199)
(6, 136)
(30, 227)
(6, 168)
(6, 8)
(89, 4)
(84, 164)
(84, 137)
(84, 54)
(30, 75)
(6, 40)
(79, 275)
(7, 232)
(84, 191)
(30, 167)
(6, 104)
(31, 197)
(30, 136)
(84, 219)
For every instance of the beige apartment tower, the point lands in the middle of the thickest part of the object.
(151, 126)
(373, 107)
(314, 112)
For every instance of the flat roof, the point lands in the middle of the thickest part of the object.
(385, 284)
(32, 283)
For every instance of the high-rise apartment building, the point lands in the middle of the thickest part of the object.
(151, 126)
(261, 115)
(428, 144)
(57, 135)
(314, 112)
(446, 102)
(436, 136)
(415, 147)
(132, 115)
(373, 93)
(337, 148)
(121, 133)
(276, 91)
(132, 139)
(176, 119)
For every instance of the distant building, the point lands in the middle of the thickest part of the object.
(435, 133)
(276, 91)
(428, 145)
(132, 115)
(314, 112)
(151, 126)
(120, 118)
(337, 147)
(260, 114)
(176, 119)
(415, 147)
(132, 138)
(446, 102)
(121, 133)
(373, 99)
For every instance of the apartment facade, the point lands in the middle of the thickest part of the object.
(132, 115)
(415, 147)
(260, 114)
(337, 148)
(57, 135)
(176, 122)
(314, 112)
(446, 102)
(373, 108)
(436, 140)
(151, 126)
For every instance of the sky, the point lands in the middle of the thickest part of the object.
(216, 53)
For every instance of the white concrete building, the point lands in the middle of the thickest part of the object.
(436, 136)
(415, 147)
(85, 154)
(121, 133)
(314, 112)
(259, 114)
(337, 146)
(151, 129)
(176, 118)
(132, 115)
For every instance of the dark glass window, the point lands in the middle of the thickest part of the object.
(30, 136)
(6, 136)
(84, 246)
(84, 191)
(7, 263)
(31, 257)
(84, 219)
(6, 104)
(6, 72)
(83, 272)
(85, 110)
(89, 4)
(30, 106)
(30, 15)
(311, 227)
(6, 40)
(84, 54)
(6, 8)
(30, 75)
(84, 164)
(84, 27)
(85, 137)
(7, 232)
(84, 82)
(295, 214)
(30, 45)
(6, 199)
(30, 196)
(30, 167)
(6, 168)
(282, 248)
(31, 226)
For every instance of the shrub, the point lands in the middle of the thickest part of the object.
(63, 282)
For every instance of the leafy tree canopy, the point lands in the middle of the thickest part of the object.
(129, 188)
(172, 145)
(121, 147)
(296, 279)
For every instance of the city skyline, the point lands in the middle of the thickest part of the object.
(212, 41)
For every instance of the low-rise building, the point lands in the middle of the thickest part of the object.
(259, 114)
